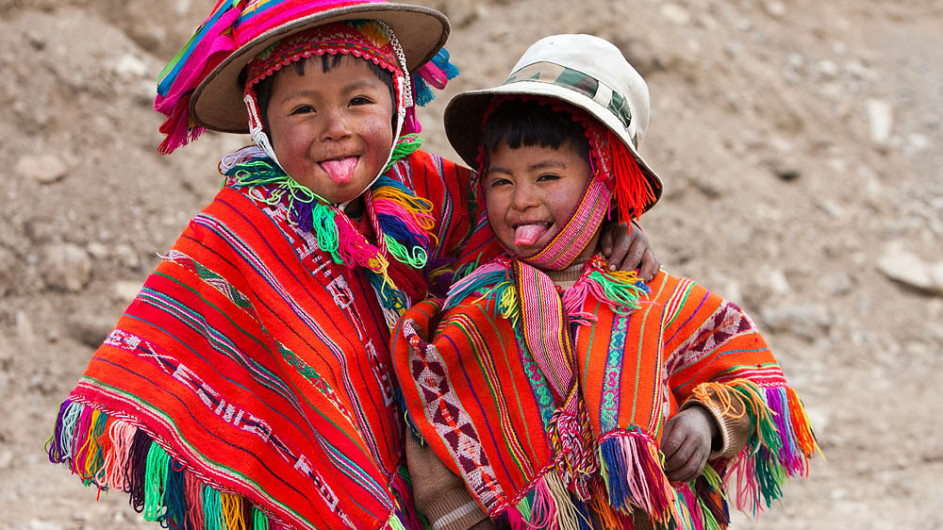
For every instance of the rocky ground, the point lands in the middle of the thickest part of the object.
(800, 145)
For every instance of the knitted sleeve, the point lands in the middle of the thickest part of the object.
(439, 494)
(731, 418)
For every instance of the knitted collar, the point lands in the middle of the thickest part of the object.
(401, 221)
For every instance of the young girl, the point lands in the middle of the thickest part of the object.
(562, 394)
(249, 384)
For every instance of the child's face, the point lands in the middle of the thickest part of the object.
(531, 192)
(331, 131)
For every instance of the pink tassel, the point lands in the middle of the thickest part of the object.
(354, 248)
(515, 519)
(193, 492)
(543, 512)
(433, 75)
(116, 460)
(411, 123)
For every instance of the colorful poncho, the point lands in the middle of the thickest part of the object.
(249, 384)
(479, 395)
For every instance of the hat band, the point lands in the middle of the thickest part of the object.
(585, 84)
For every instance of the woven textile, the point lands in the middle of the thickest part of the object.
(489, 408)
(249, 385)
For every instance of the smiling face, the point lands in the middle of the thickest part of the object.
(332, 131)
(531, 192)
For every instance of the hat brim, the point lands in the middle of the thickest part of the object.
(465, 112)
(217, 102)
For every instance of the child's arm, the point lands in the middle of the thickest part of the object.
(627, 248)
(439, 494)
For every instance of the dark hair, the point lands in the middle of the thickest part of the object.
(263, 90)
(528, 122)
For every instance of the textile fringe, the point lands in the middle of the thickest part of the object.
(779, 447)
(631, 467)
(492, 282)
(114, 455)
(620, 290)
(401, 486)
(548, 504)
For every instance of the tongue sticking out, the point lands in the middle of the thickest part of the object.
(526, 235)
(341, 170)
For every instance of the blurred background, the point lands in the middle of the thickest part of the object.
(799, 141)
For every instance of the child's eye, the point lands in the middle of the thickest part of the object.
(301, 109)
(497, 182)
(360, 100)
(548, 177)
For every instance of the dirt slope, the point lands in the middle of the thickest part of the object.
(800, 145)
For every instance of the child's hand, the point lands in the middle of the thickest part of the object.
(686, 443)
(628, 250)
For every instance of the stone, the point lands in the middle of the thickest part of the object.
(676, 14)
(6, 459)
(9, 271)
(125, 291)
(828, 69)
(778, 282)
(775, 8)
(787, 173)
(44, 169)
(126, 256)
(65, 267)
(97, 250)
(808, 321)
(90, 330)
(880, 119)
(837, 283)
(130, 67)
(910, 270)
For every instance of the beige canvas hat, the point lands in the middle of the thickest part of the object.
(585, 71)
(217, 103)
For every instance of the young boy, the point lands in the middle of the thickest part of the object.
(563, 394)
(249, 384)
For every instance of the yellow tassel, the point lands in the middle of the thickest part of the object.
(90, 448)
(724, 396)
(233, 513)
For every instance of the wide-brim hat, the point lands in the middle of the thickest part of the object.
(584, 71)
(217, 102)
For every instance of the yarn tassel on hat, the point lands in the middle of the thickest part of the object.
(208, 47)
(632, 190)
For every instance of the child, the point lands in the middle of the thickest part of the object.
(563, 394)
(249, 384)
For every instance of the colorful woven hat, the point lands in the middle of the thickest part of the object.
(584, 71)
(201, 88)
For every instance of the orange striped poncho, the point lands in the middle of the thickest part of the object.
(479, 396)
(249, 385)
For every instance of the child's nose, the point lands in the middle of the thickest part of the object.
(524, 197)
(335, 125)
